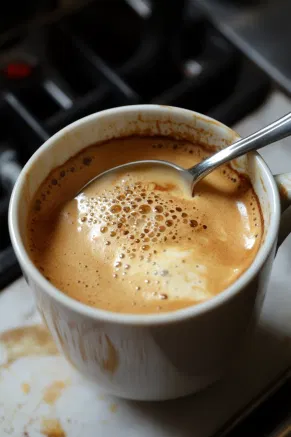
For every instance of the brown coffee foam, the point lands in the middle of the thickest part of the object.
(137, 242)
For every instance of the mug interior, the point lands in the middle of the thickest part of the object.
(139, 120)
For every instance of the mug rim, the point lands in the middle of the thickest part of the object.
(129, 318)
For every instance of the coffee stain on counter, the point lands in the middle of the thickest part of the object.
(54, 391)
(52, 428)
(27, 341)
(25, 388)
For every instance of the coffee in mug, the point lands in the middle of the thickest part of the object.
(137, 241)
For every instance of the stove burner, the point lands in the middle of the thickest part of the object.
(95, 59)
(17, 70)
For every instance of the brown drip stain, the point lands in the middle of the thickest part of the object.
(27, 341)
(53, 392)
(25, 387)
(263, 185)
(82, 350)
(52, 428)
(110, 364)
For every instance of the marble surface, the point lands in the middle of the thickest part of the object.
(41, 394)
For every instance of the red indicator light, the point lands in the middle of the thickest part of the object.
(17, 70)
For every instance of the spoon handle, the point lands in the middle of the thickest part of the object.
(273, 132)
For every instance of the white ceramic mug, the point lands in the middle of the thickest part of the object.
(155, 356)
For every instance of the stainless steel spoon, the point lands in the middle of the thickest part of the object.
(269, 134)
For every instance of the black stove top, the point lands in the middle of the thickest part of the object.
(105, 55)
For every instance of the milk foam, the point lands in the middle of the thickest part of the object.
(133, 220)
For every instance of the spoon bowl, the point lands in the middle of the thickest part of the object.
(184, 174)
(269, 134)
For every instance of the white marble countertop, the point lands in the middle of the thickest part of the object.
(41, 395)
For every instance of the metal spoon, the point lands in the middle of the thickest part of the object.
(269, 134)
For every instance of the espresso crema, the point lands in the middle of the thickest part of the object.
(137, 242)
